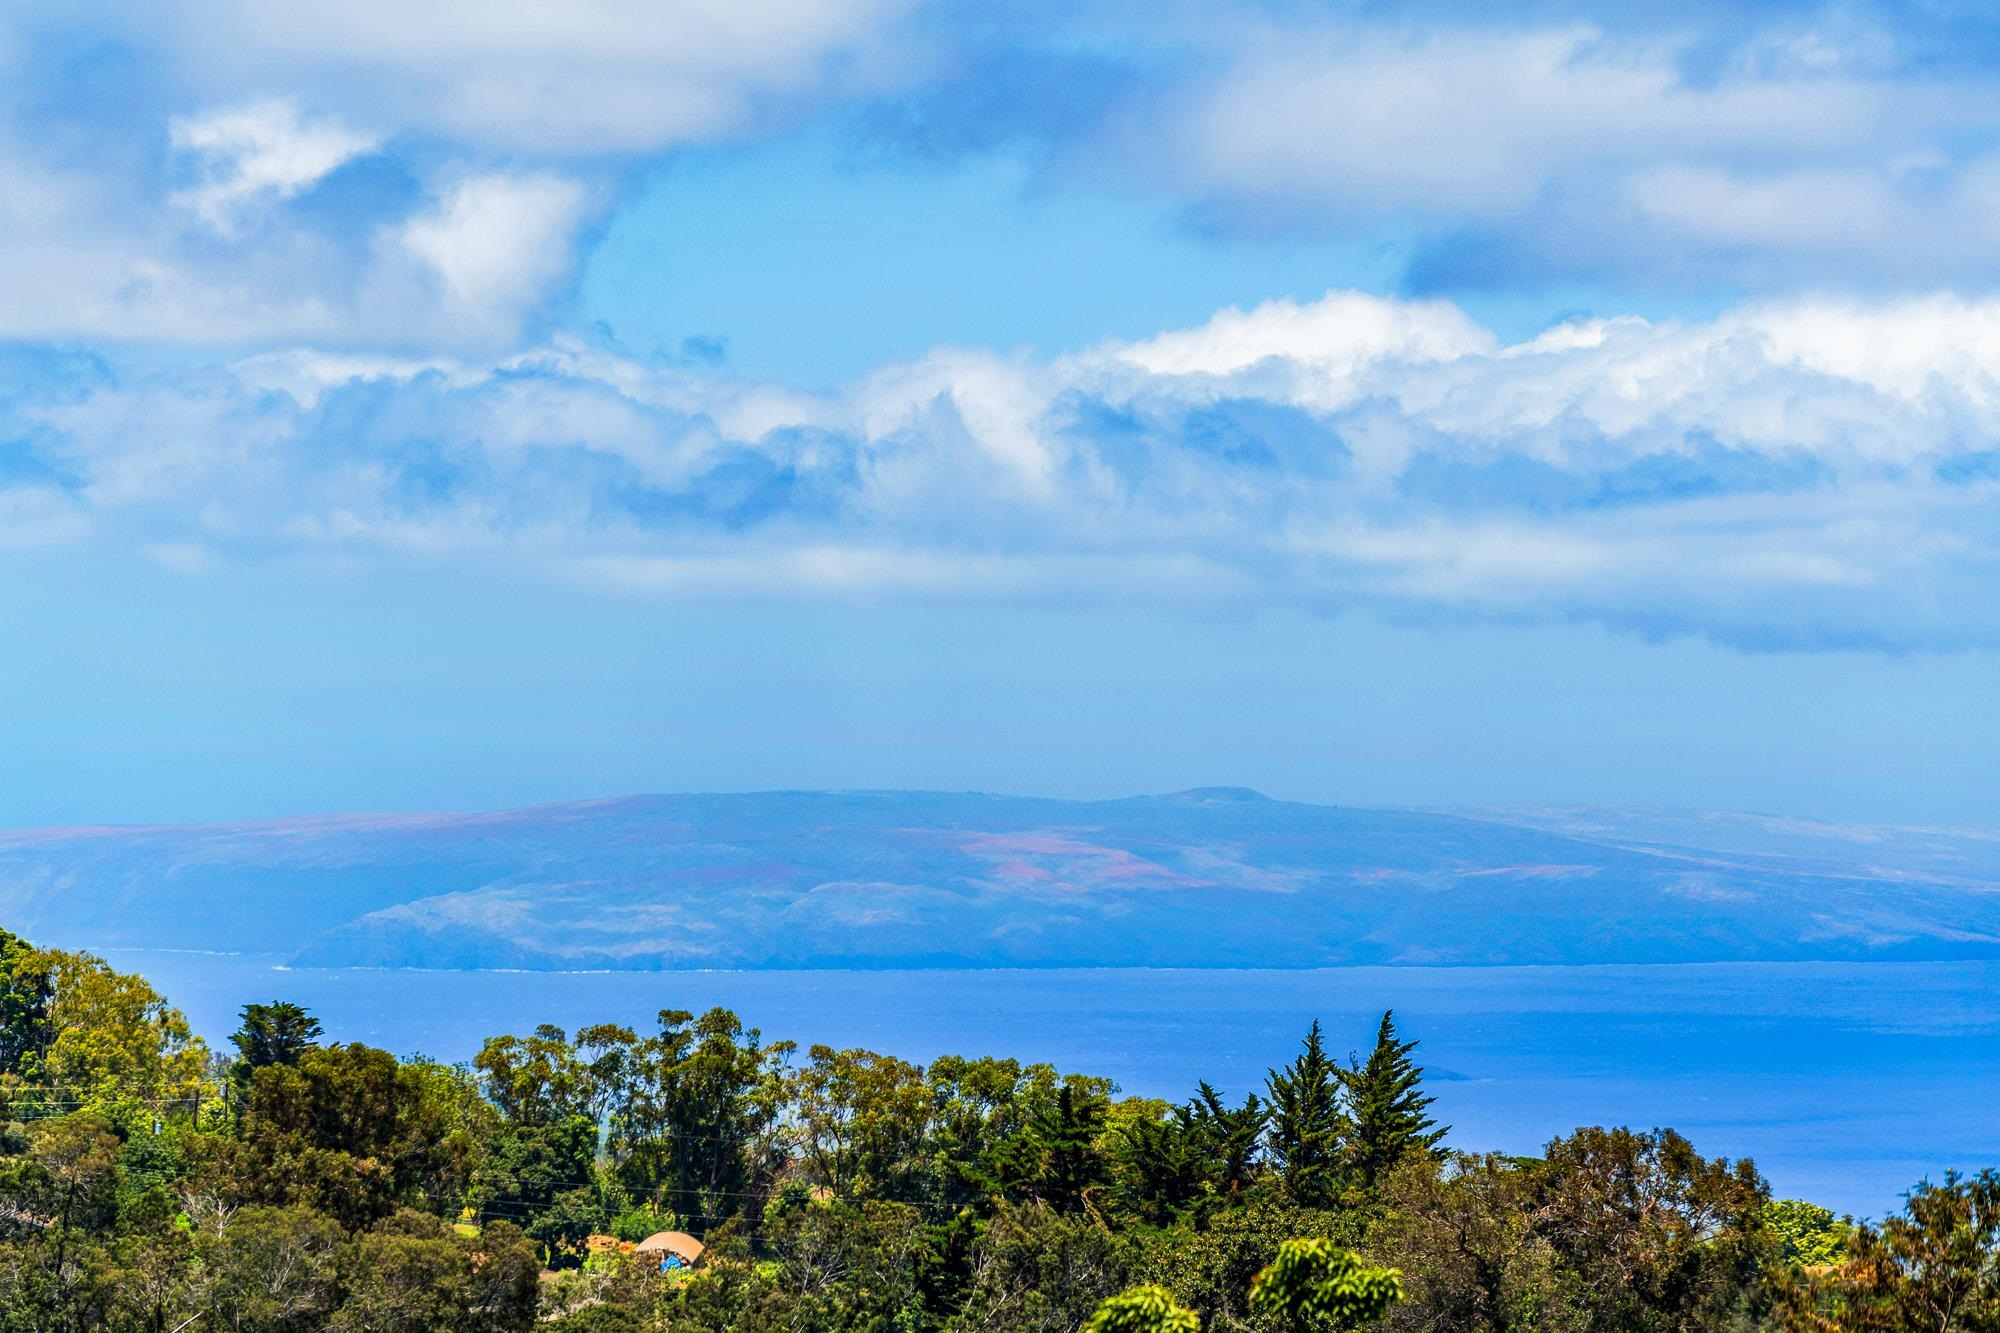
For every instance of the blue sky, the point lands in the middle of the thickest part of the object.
(461, 405)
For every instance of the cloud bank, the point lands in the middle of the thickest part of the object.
(1640, 144)
(308, 179)
(1649, 144)
(1793, 475)
(299, 297)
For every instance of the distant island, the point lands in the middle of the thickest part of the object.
(1214, 877)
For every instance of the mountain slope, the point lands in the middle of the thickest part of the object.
(1215, 877)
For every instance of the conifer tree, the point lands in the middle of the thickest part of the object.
(272, 1034)
(1229, 1137)
(1388, 1107)
(1308, 1123)
(1070, 1164)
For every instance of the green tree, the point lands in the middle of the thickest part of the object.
(411, 1274)
(696, 1127)
(1809, 1236)
(73, 1160)
(980, 1112)
(546, 1077)
(1308, 1123)
(1210, 1269)
(352, 1133)
(843, 1265)
(110, 1042)
(58, 1199)
(1388, 1113)
(1164, 1167)
(530, 1172)
(1462, 1231)
(1143, 1310)
(1054, 1158)
(1035, 1270)
(1230, 1137)
(155, 1284)
(1656, 1236)
(861, 1121)
(638, 1222)
(270, 1270)
(25, 993)
(449, 1124)
(1935, 1267)
(1316, 1285)
(272, 1034)
(565, 1222)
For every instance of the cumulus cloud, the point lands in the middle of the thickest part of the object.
(464, 262)
(1571, 149)
(1790, 475)
(1769, 155)
(495, 242)
(1765, 151)
(223, 215)
(1341, 335)
(247, 155)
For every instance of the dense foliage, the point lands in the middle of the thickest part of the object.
(297, 1185)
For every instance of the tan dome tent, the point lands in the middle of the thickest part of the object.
(673, 1249)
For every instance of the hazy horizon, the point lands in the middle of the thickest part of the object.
(1787, 819)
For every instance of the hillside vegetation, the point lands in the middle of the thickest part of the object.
(148, 1183)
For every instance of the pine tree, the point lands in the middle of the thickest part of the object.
(1053, 1158)
(273, 1034)
(1308, 1123)
(1388, 1105)
(1228, 1137)
(1070, 1164)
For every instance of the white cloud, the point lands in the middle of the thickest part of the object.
(1738, 153)
(496, 242)
(1479, 122)
(995, 404)
(92, 255)
(1825, 208)
(1590, 152)
(161, 218)
(589, 76)
(1337, 338)
(303, 374)
(1791, 474)
(248, 155)
(463, 272)
(1941, 346)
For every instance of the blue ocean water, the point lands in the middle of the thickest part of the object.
(1845, 1082)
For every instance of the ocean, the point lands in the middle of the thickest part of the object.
(1845, 1082)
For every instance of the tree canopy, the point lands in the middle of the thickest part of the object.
(309, 1185)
